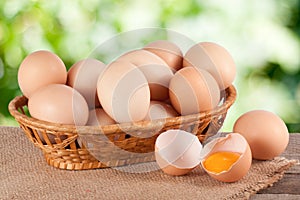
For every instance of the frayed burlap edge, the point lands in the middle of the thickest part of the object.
(268, 181)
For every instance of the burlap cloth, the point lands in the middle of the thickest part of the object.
(24, 174)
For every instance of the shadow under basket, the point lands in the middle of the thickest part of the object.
(77, 147)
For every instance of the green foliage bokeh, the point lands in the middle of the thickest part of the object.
(72, 29)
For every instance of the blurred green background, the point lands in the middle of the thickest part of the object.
(262, 36)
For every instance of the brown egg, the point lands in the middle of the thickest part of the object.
(193, 90)
(168, 51)
(265, 132)
(124, 92)
(83, 76)
(39, 69)
(156, 71)
(141, 57)
(227, 159)
(99, 117)
(58, 103)
(177, 152)
(160, 110)
(213, 58)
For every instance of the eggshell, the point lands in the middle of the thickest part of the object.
(213, 58)
(58, 103)
(160, 110)
(83, 76)
(123, 92)
(39, 69)
(158, 77)
(233, 142)
(177, 152)
(99, 117)
(156, 71)
(265, 132)
(142, 57)
(193, 90)
(168, 51)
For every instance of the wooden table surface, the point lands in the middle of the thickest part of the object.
(288, 187)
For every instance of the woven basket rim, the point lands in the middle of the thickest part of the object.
(44, 125)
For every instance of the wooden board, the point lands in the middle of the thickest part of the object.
(288, 187)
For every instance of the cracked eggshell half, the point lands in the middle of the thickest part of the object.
(177, 152)
(231, 143)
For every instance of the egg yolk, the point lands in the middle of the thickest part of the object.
(220, 161)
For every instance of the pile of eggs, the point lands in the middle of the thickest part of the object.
(155, 82)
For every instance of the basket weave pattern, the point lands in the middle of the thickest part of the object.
(75, 147)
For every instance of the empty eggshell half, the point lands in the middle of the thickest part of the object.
(177, 152)
(231, 144)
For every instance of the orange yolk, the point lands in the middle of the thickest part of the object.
(220, 161)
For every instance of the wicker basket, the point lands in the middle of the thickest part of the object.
(76, 148)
